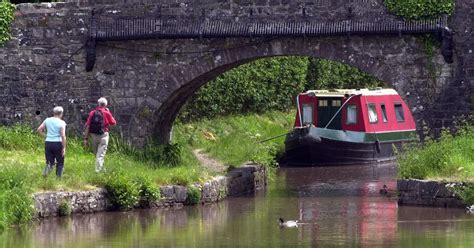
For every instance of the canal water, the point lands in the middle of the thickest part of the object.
(338, 206)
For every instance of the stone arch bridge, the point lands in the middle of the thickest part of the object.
(148, 57)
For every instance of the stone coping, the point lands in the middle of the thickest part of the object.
(427, 193)
(245, 179)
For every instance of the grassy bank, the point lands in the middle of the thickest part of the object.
(235, 139)
(450, 158)
(132, 172)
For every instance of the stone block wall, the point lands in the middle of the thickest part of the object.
(239, 181)
(47, 203)
(427, 194)
(44, 63)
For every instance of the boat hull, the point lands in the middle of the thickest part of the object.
(317, 146)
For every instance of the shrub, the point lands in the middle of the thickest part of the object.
(270, 84)
(159, 155)
(19, 137)
(420, 9)
(3, 213)
(464, 190)
(467, 194)
(194, 195)
(171, 154)
(267, 154)
(256, 87)
(148, 190)
(6, 18)
(14, 176)
(16, 206)
(327, 74)
(124, 192)
(64, 208)
(450, 157)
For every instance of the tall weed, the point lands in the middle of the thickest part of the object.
(124, 192)
(450, 157)
(158, 155)
(17, 206)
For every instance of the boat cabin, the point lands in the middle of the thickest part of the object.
(370, 111)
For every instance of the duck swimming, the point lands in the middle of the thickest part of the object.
(288, 223)
(470, 210)
(386, 191)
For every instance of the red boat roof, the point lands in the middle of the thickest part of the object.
(343, 92)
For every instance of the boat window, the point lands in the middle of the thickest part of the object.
(336, 103)
(307, 114)
(351, 114)
(384, 112)
(372, 113)
(323, 103)
(399, 112)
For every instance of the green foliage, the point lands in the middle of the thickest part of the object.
(10, 138)
(159, 155)
(7, 11)
(3, 219)
(464, 190)
(148, 190)
(234, 140)
(256, 87)
(467, 194)
(64, 208)
(267, 154)
(194, 195)
(327, 74)
(270, 84)
(451, 157)
(430, 44)
(420, 9)
(22, 152)
(35, 1)
(16, 206)
(124, 192)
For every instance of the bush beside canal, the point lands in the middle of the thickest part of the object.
(449, 158)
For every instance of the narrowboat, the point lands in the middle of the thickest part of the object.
(348, 126)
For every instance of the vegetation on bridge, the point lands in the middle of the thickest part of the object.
(7, 11)
(450, 158)
(420, 9)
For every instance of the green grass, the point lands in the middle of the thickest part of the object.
(132, 172)
(450, 159)
(234, 140)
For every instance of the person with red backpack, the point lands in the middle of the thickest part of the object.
(97, 126)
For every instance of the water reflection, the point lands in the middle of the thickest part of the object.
(339, 206)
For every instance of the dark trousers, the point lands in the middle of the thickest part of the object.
(54, 155)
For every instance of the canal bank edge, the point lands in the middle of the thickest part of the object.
(424, 193)
(245, 179)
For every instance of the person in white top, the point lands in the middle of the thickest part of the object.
(55, 142)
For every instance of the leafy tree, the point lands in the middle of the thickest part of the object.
(327, 74)
(259, 86)
(271, 84)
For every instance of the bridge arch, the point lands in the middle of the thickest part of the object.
(394, 60)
